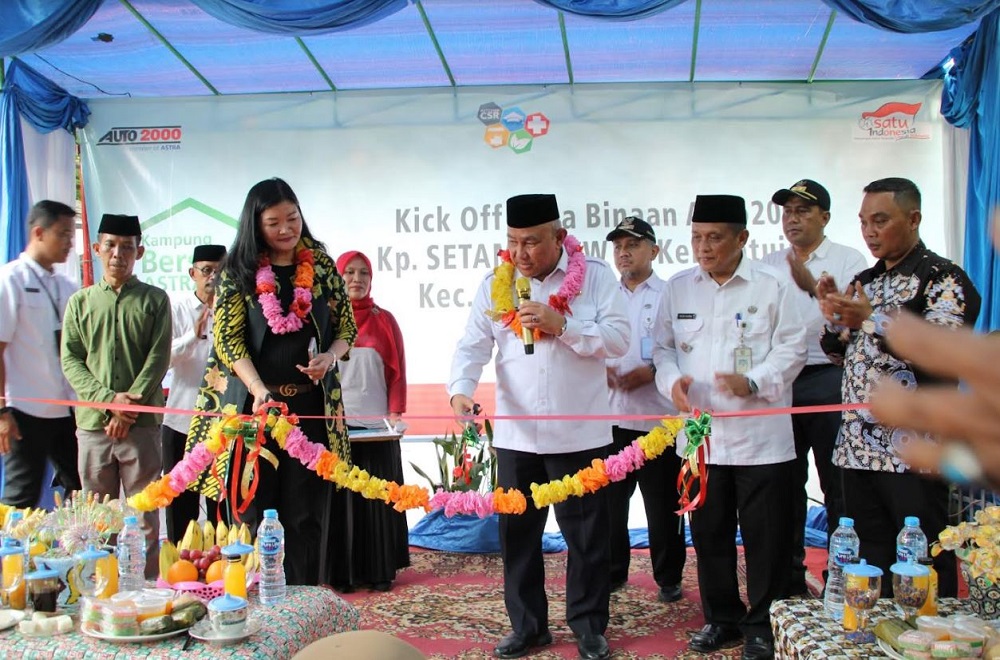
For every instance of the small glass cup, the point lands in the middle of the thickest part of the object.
(43, 589)
(910, 583)
(861, 593)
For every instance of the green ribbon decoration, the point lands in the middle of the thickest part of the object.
(696, 429)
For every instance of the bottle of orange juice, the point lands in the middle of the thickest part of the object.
(12, 567)
(234, 575)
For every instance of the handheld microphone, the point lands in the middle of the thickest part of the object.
(523, 287)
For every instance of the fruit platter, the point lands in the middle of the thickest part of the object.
(196, 566)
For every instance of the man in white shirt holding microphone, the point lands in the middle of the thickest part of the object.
(563, 376)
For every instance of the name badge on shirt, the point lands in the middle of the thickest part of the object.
(646, 348)
(29, 289)
(742, 359)
(686, 316)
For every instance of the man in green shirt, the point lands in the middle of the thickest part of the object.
(115, 349)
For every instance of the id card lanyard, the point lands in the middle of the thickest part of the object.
(742, 355)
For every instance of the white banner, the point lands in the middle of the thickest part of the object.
(418, 179)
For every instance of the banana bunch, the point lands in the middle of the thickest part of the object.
(192, 537)
(168, 555)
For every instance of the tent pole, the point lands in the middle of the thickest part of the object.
(434, 40)
(86, 256)
(822, 45)
(565, 42)
(694, 40)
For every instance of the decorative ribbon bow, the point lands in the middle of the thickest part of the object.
(697, 430)
(251, 433)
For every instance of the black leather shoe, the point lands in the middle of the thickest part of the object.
(712, 637)
(516, 645)
(758, 648)
(670, 593)
(593, 647)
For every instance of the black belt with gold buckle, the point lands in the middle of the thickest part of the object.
(288, 390)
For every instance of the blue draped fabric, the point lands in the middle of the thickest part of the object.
(299, 17)
(624, 10)
(30, 25)
(46, 106)
(915, 15)
(971, 99)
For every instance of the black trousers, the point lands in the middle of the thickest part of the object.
(185, 506)
(758, 495)
(816, 386)
(879, 501)
(658, 482)
(24, 466)
(300, 496)
(584, 524)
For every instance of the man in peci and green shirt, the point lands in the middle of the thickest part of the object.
(115, 349)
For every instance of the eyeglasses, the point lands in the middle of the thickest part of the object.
(207, 270)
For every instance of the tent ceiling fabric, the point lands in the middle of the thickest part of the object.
(160, 48)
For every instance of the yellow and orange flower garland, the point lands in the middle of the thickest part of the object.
(284, 429)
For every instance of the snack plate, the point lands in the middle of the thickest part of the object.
(203, 630)
(137, 639)
(889, 651)
(10, 618)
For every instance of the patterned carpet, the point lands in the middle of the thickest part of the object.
(451, 606)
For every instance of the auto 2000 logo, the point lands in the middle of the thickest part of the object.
(145, 138)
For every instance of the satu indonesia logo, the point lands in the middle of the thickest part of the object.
(164, 138)
(511, 127)
(892, 121)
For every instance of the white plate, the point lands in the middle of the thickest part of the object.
(97, 634)
(10, 618)
(889, 651)
(203, 630)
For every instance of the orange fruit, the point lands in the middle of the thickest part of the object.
(214, 571)
(182, 571)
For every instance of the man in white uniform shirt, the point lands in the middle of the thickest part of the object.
(32, 302)
(192, 340)
(806, 212)
(729, 338)
(633, 392)
(565, 376)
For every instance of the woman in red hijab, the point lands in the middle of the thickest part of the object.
(373, 383)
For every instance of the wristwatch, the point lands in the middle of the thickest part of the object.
(752, 385)
(652, 368)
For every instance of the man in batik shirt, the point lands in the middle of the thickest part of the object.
(880, 490)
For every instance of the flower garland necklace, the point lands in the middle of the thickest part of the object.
(502, 290)
(301, 304)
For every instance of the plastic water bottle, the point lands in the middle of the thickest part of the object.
(911, 542)
(131, 553)
(271, 547)
(844, 548)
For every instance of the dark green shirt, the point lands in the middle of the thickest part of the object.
(116, 342)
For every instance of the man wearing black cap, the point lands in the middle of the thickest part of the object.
(728, 338)
(806, 212)
(192, 341)
(633, 392)
(116, 349)
(33, 299)
(576, 319)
